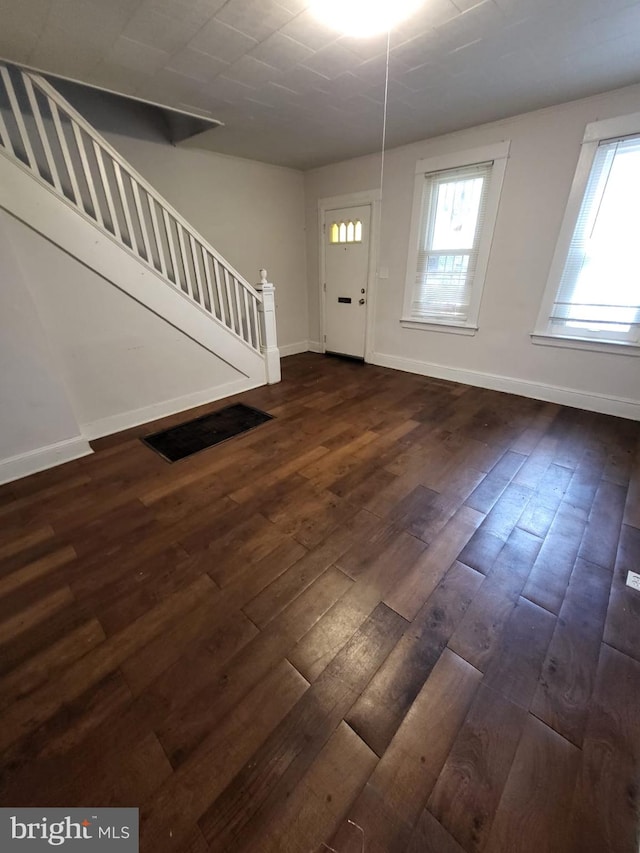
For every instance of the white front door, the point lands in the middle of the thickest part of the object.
(346, 267)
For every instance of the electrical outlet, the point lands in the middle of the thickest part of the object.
(633, 580)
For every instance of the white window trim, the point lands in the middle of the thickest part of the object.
(594, 133)
(499, 154)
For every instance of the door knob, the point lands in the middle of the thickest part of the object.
(361, 301)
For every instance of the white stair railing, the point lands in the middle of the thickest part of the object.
(42, 132)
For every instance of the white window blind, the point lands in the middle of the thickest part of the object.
(599, 292)
(454, 204)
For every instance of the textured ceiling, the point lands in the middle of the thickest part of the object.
(292, 92)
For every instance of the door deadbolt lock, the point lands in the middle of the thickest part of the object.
(361, 301)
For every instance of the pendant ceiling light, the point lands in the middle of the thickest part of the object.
(363, 18)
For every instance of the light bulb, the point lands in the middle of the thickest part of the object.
(363, 18)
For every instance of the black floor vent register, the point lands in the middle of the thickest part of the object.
(191, 437)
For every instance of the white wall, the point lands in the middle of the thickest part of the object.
(37, 423)
(544, 151)
(252, 213)
(121, 363)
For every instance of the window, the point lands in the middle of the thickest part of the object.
(453, 218)
(345, 232)
(593, 293)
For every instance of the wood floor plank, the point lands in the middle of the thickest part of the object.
(481, 551)
(173, 809)
(465, 469)
(489, 491)
(408, 771)
(44, 665)
(468, 790)
(547, 583)
(632, 504)
(240, 813)
(131, 518)
(360, 492)
(317, 804)
(414, 512)
(37, 612)
(27, 713)
(349, 537)
(478, 636)
(20, 648)
(338, 462)
(325, 640)
(14, 545)
(309, 514)
(539, 458)
(371, 825)
(384, 703)
(585, 481)
(30, 507)
(276, 472)
(357, 561)
(410, 469)
(564, 692)
(606, 807)
(43, 753)
(515, 668)
(131, 596)
(372, 457)
(429, 836)
(507, 510)
(123, 589)
(252, 540)
(622, 629)
(119, 570)
(408, 596)
(619, 463)
(541, 509)
(205, 628)
(532, 815)
(191, 715)
(600, 541)
(36, 570)
(249, 580)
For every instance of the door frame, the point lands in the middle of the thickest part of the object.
(337, 202)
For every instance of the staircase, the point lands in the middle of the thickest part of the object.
(62, 178)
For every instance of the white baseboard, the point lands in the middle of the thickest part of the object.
(315, 346)
(135, 417)
(42, 458)
(293, 349)
(619, 406)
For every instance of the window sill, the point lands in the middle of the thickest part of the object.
(430, 326)
(617, 347)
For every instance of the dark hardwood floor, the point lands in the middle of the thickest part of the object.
(393, 619)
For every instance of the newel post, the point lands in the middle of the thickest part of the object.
(268, 333)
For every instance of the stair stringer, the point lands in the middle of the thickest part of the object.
(30, 199)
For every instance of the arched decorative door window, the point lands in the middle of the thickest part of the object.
(346, 232)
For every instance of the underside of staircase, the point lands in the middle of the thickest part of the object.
(60, 177)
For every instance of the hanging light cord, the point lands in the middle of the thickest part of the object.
(384, 114)
(382, 153)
